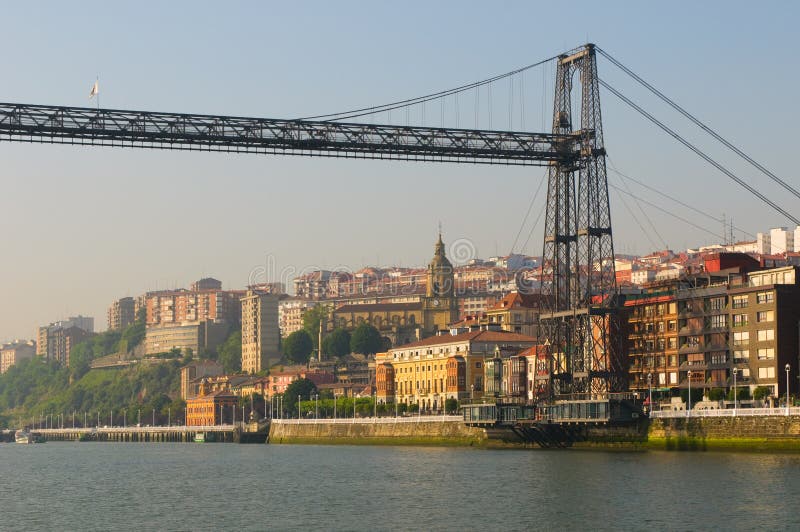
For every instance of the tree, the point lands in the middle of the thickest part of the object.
(366, 340)
(298, 346)
(742, 394)
(761, 392)
(311, 321)
(132, 335)
(451, 405)
(80, 357)
(697, 395)
(230, 352)
(336, 343)
(302, 388)
(716, 394)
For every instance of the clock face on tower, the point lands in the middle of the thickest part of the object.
(435, 302)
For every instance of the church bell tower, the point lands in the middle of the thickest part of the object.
(439, 306)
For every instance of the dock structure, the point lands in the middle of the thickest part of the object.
(182, 433)
(559, 424)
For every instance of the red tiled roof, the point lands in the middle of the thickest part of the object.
(516, 300)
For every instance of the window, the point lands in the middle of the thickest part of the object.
(739, 301)
(741, 355)
(719, 321)
(739, 320)
(695, 359)
(671, 325)
(718, 358)
(673, 377)
(766, 373)
(765, 315)
(741, 338)
(661, 326)
(672, 343)
(717, 303)
(766, 353)
(766, 335)
(765, 297)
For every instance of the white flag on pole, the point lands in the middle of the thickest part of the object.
(95, 90)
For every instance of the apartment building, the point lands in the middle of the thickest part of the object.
(260, 332)
(15, 352)
(121, 313)
(653, 338)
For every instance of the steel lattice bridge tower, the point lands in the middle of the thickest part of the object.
(579, 318)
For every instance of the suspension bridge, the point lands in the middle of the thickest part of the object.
(579, 318)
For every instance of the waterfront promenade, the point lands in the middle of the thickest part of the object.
(728, 412)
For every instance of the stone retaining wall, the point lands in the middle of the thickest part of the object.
(421, 433)
(745, 433)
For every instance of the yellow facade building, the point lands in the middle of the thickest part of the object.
(442, 367)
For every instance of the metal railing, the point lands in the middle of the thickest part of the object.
(385, 420)
(727, 412)
(141, 430)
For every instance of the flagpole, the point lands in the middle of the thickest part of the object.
(97, 81)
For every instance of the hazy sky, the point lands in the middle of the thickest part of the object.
(82, 226)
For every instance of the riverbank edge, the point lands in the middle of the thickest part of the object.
(643, 436)
(653, 444)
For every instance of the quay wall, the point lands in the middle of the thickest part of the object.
(383, 433)
(751, 433)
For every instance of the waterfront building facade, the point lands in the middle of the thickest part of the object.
(211, 408)
(652, 317)
(442, 367)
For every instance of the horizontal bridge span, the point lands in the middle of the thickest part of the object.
(142, 129)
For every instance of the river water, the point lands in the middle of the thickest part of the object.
(103, 486)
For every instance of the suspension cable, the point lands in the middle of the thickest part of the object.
(665, 211)
(530, 207)
(700, 124)
(354, 113)
(699, 152)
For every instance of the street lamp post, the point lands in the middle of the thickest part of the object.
(316, 405)
(689, 397)
(788, 367)
(735, 372)
(335, 400)
(298, 409)
(650, 389)
(471, 392)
